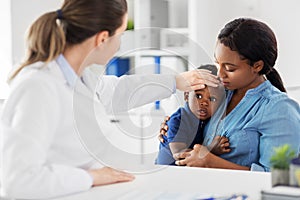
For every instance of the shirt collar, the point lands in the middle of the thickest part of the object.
(259, 88)
(252, 91)
(67, 70)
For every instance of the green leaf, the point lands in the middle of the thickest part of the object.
(130, 24)
(282, 157)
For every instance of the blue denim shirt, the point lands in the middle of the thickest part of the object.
(265, 118)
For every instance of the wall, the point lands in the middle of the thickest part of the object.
(207, 17)
(5, 48)
(23, 14)
(283, 17)
(15, 18)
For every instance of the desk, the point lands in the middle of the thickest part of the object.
(182, 181)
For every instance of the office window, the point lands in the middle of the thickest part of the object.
(5, 47)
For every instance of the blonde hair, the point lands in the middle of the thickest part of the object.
(76, 21)
(45, 41)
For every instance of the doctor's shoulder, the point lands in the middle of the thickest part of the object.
(38, 77)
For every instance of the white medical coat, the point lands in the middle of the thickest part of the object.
(43, 157)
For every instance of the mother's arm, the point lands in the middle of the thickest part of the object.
(200, 156)
(280, 124)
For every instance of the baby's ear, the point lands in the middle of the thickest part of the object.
(186, 96)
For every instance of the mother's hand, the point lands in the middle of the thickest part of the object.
(198, 157)
(195, 80)
(163, 129)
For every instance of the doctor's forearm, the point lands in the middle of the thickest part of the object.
(137, 90)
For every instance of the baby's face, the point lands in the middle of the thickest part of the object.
(203, 103)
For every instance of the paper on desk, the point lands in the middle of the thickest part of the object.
(136, 194)
(284, 190)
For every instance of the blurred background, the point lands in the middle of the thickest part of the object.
(164, 36)
(183, 22)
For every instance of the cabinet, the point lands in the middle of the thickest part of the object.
(135, 137)
(159, 42)
(162, 25)
(165, 25)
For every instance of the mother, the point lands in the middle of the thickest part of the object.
(259, 114)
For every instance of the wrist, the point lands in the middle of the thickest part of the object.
(91, 174)
(207, 160)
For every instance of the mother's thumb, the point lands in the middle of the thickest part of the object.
(197, 147)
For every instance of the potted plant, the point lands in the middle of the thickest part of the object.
(130, 25)
(280, 162)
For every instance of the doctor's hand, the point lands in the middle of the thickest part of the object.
(107, 175)
(195, 80)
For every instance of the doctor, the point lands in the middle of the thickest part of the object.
(42, 153)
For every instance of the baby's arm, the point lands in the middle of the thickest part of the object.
(219, 145)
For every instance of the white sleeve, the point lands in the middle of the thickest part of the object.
(28, 122)
(130, 91)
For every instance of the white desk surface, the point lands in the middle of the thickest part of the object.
(182, 183)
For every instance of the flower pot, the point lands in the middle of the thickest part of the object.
(280, 176)
(295, 172)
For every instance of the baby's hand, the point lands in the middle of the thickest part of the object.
(219, 145)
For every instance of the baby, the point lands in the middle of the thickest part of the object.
(186, 125)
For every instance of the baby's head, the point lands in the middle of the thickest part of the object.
(203, 103)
